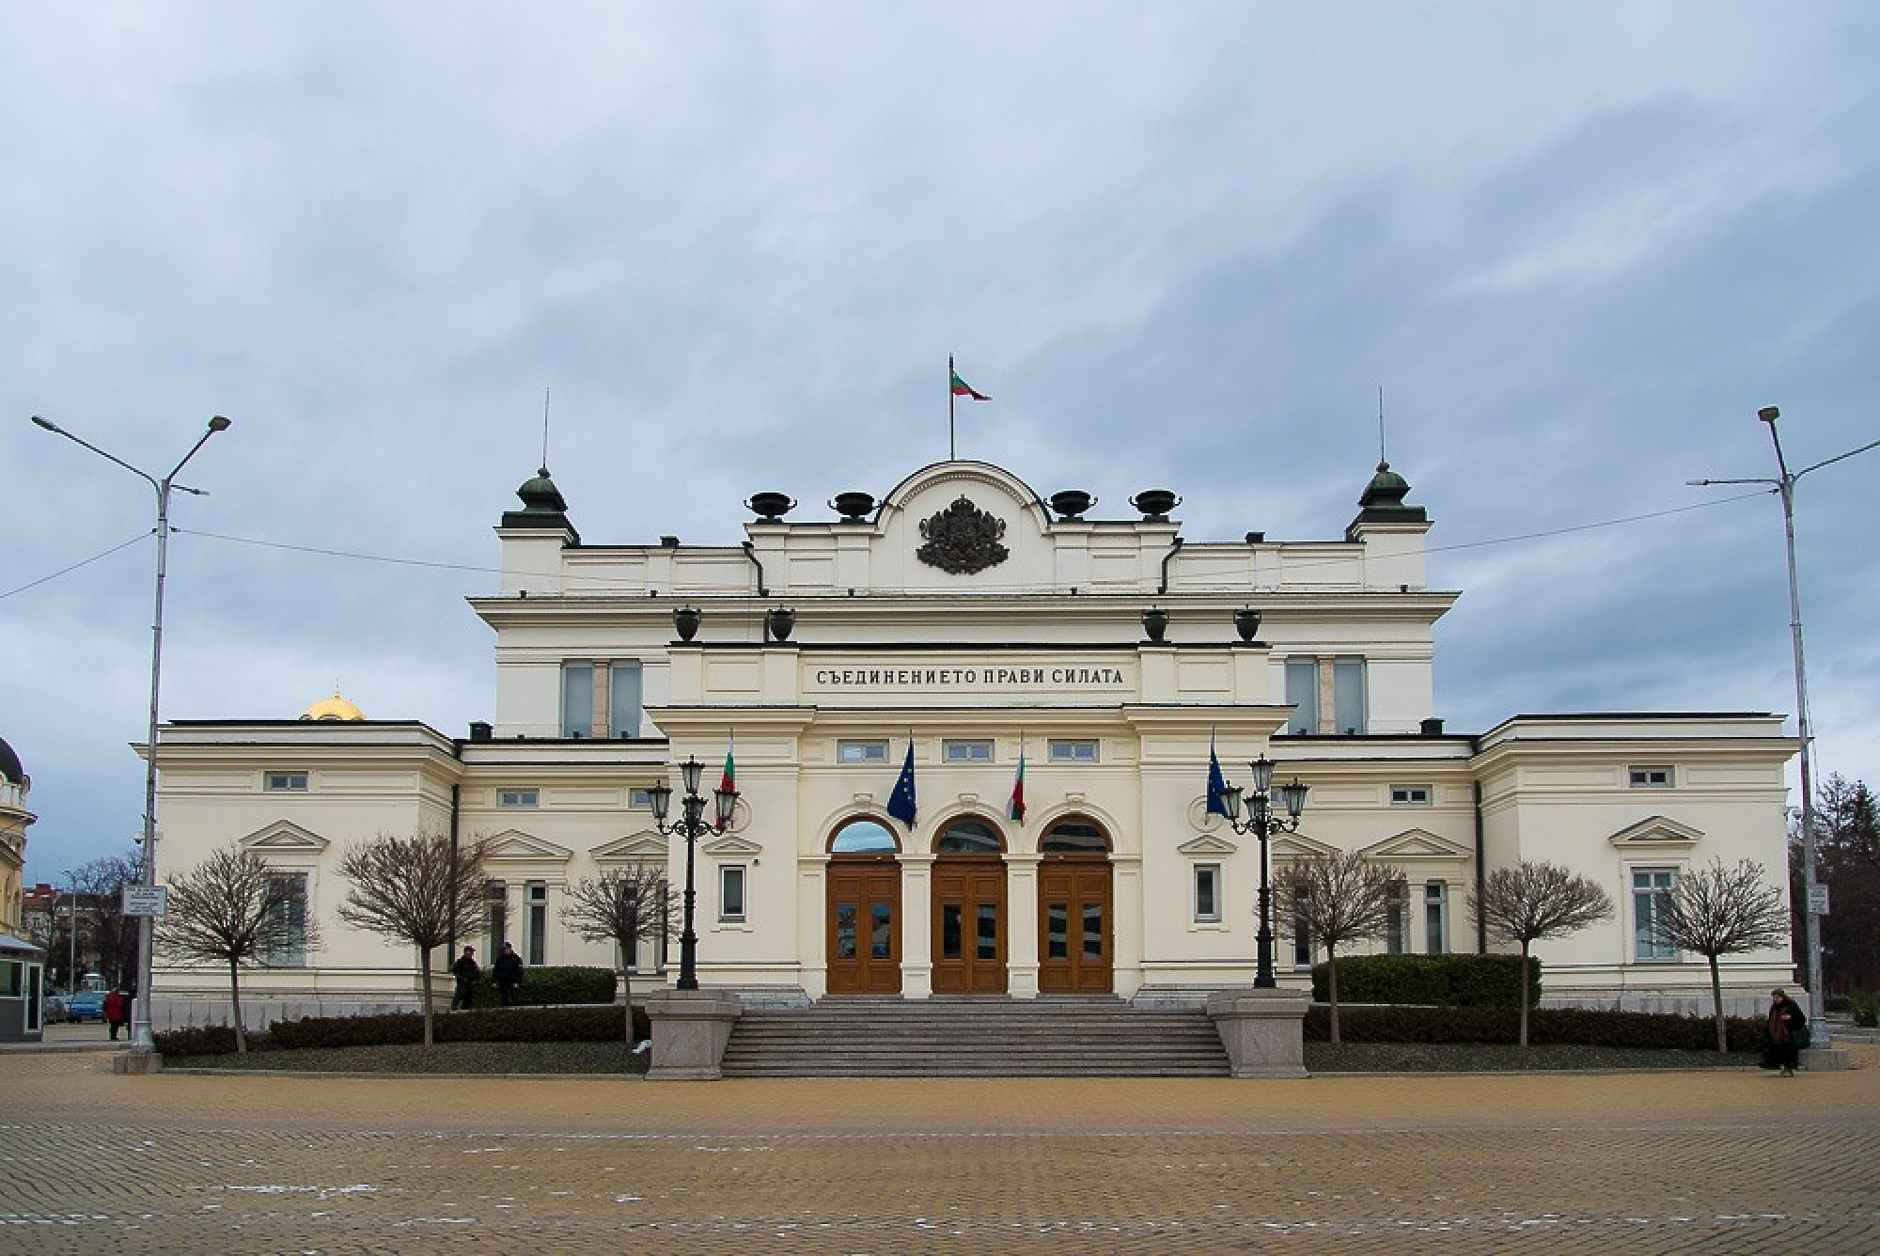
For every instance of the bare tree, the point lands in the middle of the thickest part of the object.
(421, 889)
(1721, 911)
(623, 905)
(100, 886)
(1531, 901)
(233, 909)
(1337, 899)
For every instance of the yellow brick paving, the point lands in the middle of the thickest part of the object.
(1725, 1161)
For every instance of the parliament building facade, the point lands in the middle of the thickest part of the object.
(970, 623)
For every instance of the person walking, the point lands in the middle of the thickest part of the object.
(1788, 1033)
(508, 974)
(466, 970)
(117, 1011)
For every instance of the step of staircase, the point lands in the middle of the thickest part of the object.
(974, 1037)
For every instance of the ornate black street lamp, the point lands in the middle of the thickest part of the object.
(1263, 823)
(691, 825)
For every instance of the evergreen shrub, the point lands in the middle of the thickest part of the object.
(1455, 980)
(1577, 1026)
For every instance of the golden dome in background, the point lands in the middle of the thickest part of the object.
(333, 708)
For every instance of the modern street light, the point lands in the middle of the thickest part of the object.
(1784, 485)
(1263, 823)
(691, 825)
(141, 1041)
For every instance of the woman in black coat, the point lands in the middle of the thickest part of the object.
(1788, 1033)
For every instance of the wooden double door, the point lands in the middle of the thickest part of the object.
(1076, 929)
(864, 925)
(969, 924)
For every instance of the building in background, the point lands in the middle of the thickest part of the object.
(966, 624)
(14, 817)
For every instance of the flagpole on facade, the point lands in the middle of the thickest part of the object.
(952, 400)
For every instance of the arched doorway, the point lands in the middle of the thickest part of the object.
(969, 910)
(864, 944)
(1076, 929)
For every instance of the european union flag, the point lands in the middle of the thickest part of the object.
(1217, 784)
(901, 801)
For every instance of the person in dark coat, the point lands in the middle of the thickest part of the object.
(508, 974)
(466, 970)
(1788, 1033)
(117, 1011)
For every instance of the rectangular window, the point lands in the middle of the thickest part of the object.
(731, 892)
(1649, 888)
(1350, 703)
(966, 751)
(516, 798)
(1409, 795)
(577, 699)
(1302, 944)
(623, 700)
(1207, 893)
(1435, 918)
(1649, 777)
(536, 950)
(861, 752)
(640, 799)
(286, 782)
(496, 914)
(290, 911)
(1302, 694)
(1071, 752)
(1397, 925)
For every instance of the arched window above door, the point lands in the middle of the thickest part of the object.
(969, 837)
(1074, 836)
(862, 836)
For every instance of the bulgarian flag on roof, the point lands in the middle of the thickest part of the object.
(963, 389)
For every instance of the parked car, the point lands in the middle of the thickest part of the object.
(52, 1010)
(85, 1005)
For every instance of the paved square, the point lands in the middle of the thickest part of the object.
(1730, 1161)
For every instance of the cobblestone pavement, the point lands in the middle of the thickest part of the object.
(1729, 1161)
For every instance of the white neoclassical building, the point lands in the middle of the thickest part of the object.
(969, 622)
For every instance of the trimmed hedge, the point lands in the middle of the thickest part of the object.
(1580, 1026)
(1455, 980)
(549, 985)
(515, 1024)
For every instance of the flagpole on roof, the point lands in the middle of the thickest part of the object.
(951, 402)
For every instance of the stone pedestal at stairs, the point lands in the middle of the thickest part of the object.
(1263, 1031)
(690, 1029)
(137, 1062)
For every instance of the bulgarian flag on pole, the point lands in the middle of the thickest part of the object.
(730, 779)
(1015, 809)
(963, 389)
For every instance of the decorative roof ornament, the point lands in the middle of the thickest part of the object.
(962, 539)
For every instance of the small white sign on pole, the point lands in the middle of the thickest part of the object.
(1817, 900)
(145, 900)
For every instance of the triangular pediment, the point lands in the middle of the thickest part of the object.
(1207, 844)
(1299, 846)
(515, 846)
(1657, 832)
(639, 847)
(732, 846)
(1415, 846)
(283, 837)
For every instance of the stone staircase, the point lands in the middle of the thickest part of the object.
(974, 1037)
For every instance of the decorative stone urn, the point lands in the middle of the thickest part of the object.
(685, 622)
(771, 507)
(780, 622)
(1155, 623)
(1246, 622)
(1072, 502)
(853, 507)
(1155, 503)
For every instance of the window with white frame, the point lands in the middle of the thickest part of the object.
(731, 892)
(1650, 888)
(640, 799)
(1302, 943)
(577, 699)
(536, 950)
(854, 751)
(288, 910)
(496, 915)
(1302, 693)
(1409, 795)
(285, 782)
(1351, 699)
(1207, 893)
(1652, 776)
(1435, 917)
(516, 798)
(1397, 922)
(966, 751)
(1071, 751)
(623, 699)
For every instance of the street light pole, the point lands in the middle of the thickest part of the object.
(1784, 485)
(71, 920)
(691, 825)
(1263, 823)
(141, 1040)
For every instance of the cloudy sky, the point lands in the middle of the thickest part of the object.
(1184, 244)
